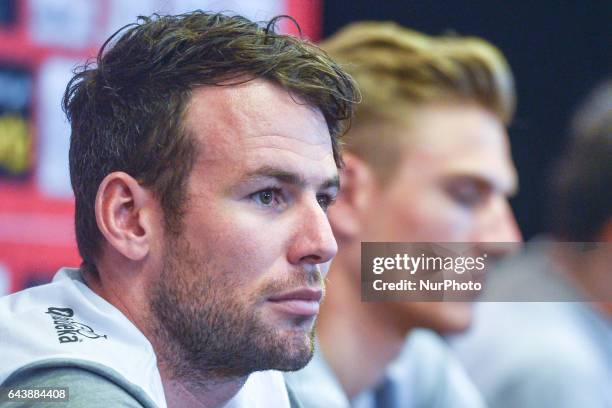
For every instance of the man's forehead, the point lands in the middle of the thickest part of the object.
(461, 142)
(231, 113)
(246, 127)
(496, 171)
(494, 166)
(275, 155)
(446, 127)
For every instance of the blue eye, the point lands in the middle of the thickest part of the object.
(268, 197)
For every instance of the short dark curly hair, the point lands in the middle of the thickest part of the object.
(127, 107)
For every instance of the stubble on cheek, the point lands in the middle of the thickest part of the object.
(207, 327)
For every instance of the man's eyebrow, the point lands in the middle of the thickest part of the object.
(288, 177)
(488, 183)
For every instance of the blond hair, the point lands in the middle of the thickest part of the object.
(398, 69)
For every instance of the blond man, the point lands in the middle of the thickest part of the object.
(427, 159)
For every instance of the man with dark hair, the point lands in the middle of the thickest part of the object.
(203, 158)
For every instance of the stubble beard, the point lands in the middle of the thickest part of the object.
(206, 332)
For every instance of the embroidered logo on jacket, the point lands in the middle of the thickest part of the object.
(68, 330)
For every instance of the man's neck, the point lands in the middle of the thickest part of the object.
(185, 384)
(348, 330)
(212, 394)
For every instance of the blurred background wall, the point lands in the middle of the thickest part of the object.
(558, 51)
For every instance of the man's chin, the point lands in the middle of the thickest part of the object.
(294, 363)
(296, 351)
(453, 317)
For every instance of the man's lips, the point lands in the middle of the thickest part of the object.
(303, 302)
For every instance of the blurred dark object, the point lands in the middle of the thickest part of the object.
(582, 179)
(8, 13)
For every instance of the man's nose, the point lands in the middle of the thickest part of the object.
(498, 223)
(313, 241)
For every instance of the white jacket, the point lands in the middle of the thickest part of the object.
(66, 321)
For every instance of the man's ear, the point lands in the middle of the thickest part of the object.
(356, 184)
(124, 213)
